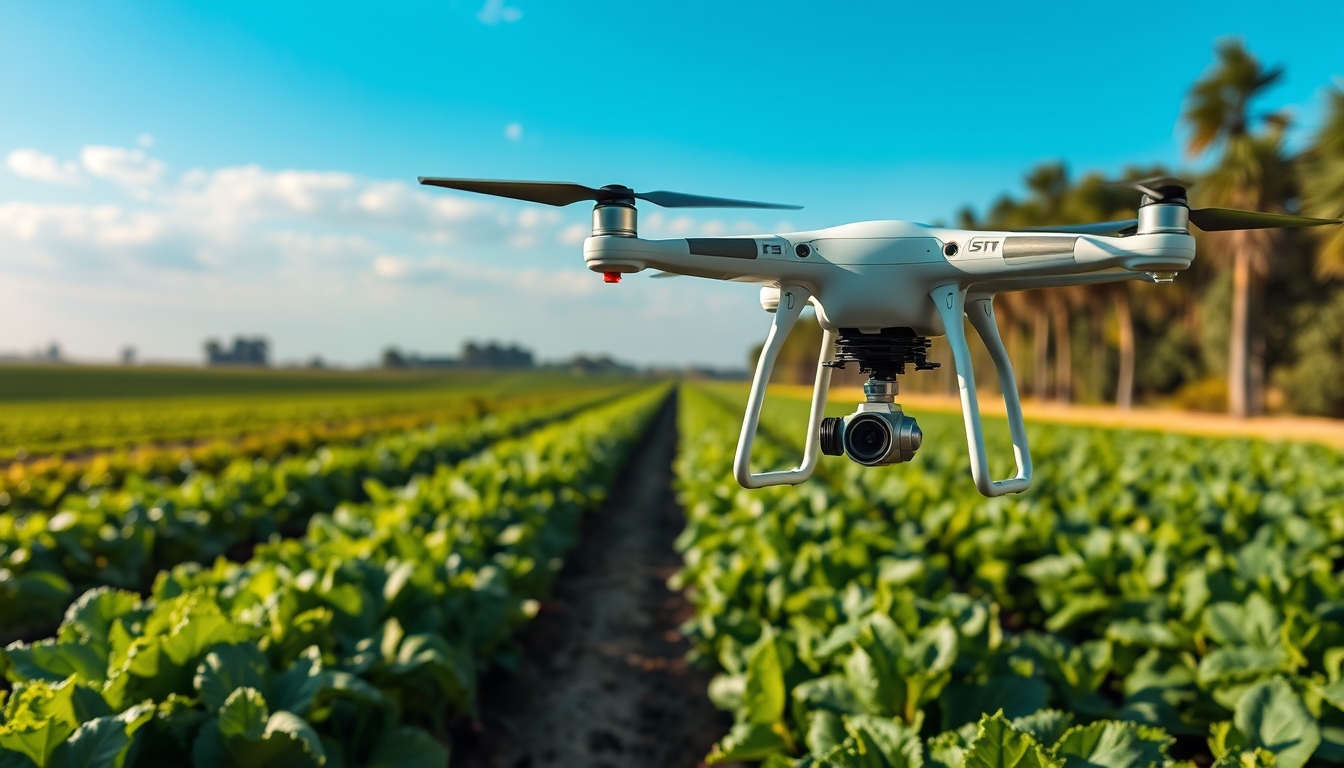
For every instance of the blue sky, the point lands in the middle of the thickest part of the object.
(174, 172)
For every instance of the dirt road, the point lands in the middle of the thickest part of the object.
(604, 681)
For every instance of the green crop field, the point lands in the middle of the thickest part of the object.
(1154, 600)
(82, 382)
(50, 409)
(152, 606)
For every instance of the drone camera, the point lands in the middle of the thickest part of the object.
(872, 436)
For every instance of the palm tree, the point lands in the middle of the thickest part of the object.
(1050, 187)
(1323, 184)
(1251, 173)
(1118, 293)
(1016, 309)
(1061, 303)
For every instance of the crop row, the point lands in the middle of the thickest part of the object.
(122, 537)
(353, 645)
(1176, 582)
(40, 483)
(78, 410)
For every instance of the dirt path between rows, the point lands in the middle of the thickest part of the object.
(604, 681)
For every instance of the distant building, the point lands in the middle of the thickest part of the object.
(493, 355)
(128, 355)
(395, 358)
(720, 374)
(593, 365)
(52, 354)
(245, 352)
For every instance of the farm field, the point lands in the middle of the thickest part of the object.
(54, 409)
(1152, 598)
(486, 584)
(334, 608)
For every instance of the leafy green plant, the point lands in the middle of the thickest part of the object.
(123, 536)
(1161, 580)
(353, 645)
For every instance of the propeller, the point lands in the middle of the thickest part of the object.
(560, 193)
(1224, 219)
(1169, 189)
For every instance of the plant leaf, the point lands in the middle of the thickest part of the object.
(897, 744)
(1046, 725)
(408, 747)
(1272, 716)
(747, 741)
(227, 668)
(879, 692)
(764, 698)
(243, 715)
(1112, 744)
(999, 745)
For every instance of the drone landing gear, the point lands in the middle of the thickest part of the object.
(787, 308)
(953, 303)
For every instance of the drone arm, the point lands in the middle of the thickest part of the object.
(791, 302)
(951, 303)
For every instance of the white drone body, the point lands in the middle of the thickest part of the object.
(890, 285)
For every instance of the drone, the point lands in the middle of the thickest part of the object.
(882, 289)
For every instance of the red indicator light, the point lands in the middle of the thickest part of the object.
(611, 277)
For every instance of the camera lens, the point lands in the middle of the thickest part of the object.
(867, 438)
(831, 429)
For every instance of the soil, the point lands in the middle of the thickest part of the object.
(604, 679)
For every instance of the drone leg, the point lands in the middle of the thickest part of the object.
(951, 303)
(791, 302)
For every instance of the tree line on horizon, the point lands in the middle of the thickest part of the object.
(1255, 325)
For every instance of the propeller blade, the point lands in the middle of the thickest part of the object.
(663, 275)
(679, 200)
(1096, 228)
(1225, 219)
(560, 193)
(548, 192)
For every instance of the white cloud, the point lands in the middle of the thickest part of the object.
(333, 262)
(533, 217)
(574, 234)
(513, 131)
(247, 220)
(324, 249)
(145, 140)
(87, 240)
(682, 225)
(32, 164)
(495, 11)
(127, 167)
